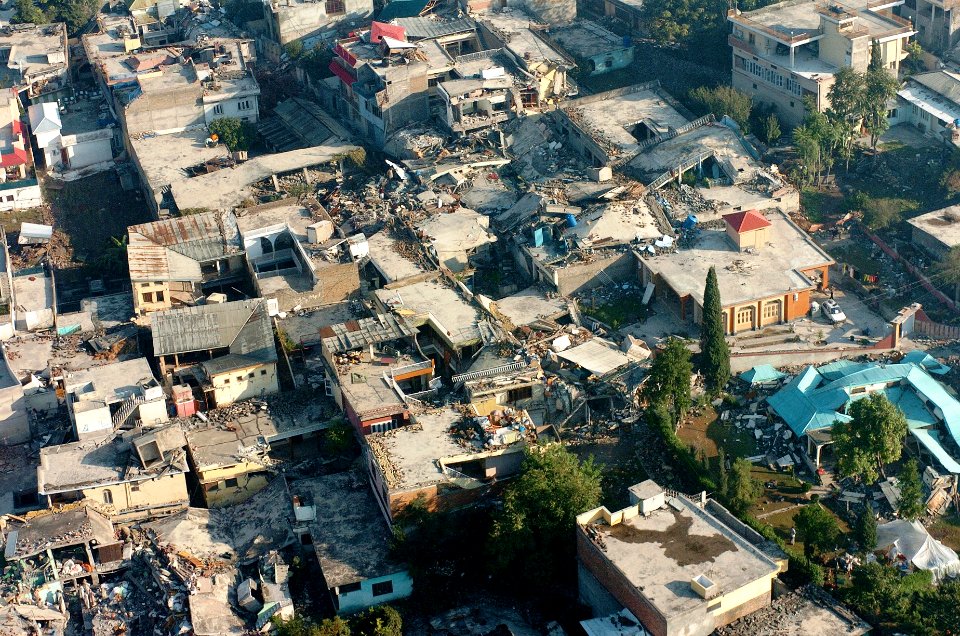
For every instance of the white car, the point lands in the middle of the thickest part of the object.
(832, 312)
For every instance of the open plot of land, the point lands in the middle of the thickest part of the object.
(87, 212)
(947, 530)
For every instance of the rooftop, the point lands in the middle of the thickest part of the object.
(33, 292)
(661, 553)
(165, 159)
(452, 235)
(173, 249)
(808, 610)
(58, 529)
(70, 467)
(244, 440)
(531, 304)
(799, 20)
(771, 270)
(513, 27)
(110, 383)
(621, 119)
(943, 225)
(358, 334)
(714, 139)
(242, 326)
(431, 302)
(584, 39)
(364, 385)
(32, 53)
(388, 259)
(350, 536)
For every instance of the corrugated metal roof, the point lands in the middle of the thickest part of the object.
(242, 326)
(426, 28)
(942, 82)
(172, 249)
(356, 334)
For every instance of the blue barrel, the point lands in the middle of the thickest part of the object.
(571, 220)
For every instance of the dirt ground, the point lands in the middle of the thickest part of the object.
(86, 213)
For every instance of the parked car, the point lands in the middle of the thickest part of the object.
(832, 312)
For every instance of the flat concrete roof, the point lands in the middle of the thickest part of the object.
(225, 189)
(943, 225)
(663, 552)
(33, 52)
(34, 292)
(531, 304)
(408, 455)
(800, 18)
(456, 232)
(434, 303)
(109, 383)
(364, 387)
(349, 534)
(391, 264)
(585, 39)
(611, 117)
(769, 271)
(520, 40)
(716, 139)
(164, 158)
(216, 446)
(305, 326)
(617, 222)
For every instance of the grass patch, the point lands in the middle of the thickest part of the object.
(947, 530)
(820, 207)
(618, 313)
(857, 256)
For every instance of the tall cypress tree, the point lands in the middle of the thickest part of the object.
(714, 352)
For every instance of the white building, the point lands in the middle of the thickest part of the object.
(68, 142)
(19, 188)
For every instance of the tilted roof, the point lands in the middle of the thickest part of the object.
(746, 221)
(173, 249)
(242, 326)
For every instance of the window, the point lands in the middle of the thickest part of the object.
(771, 310)
(218, 109)
(214, 487)
(226, 380)
(381, 589)
(134, 487)
(350, 587)
(148, 297)
(244, 104)
(251, 375)
(263, 372)
(335, 6)
(159, 296)
(239, 378)
(9, 198)
(522, 393)
(230, 483)
(107, 497)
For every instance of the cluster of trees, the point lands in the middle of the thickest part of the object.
(529, 542)
(737, 105)
(76, 13)
(234, 133)
(857, 101)
(904, 604)
(381, 620)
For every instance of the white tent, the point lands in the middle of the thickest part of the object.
(911, 539)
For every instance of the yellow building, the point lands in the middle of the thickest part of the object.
(138, 474)
(232, 463)
(225, 349)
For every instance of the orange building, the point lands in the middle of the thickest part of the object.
(766, 269)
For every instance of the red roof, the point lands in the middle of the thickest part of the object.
(380, 29)
(746, 221)
(16, 158)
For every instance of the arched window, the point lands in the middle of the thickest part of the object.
(107, 497)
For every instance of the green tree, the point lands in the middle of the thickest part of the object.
(914, 60)
(817, 528)
(28, 12)
(865, 530)
(948, 271)
(911, 504)
(301, 626)
(876, 59)
(533, 535)
(234, 133)
(294, 49)
(724, 100)
(743, 489)
(871, 439)
(771, 129)
(723, 480)
(880, 86)
(668, 382)
(816, 140)
(339, 438)
(380, 620)
(847, 97)
(882, 213)
(714, 351)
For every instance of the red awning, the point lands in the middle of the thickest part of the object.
(16, 158)
(344, 75)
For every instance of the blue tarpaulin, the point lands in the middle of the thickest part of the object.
(761, 374)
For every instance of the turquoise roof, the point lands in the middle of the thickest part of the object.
(760, 374)
(927, 361)
(815, 400)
